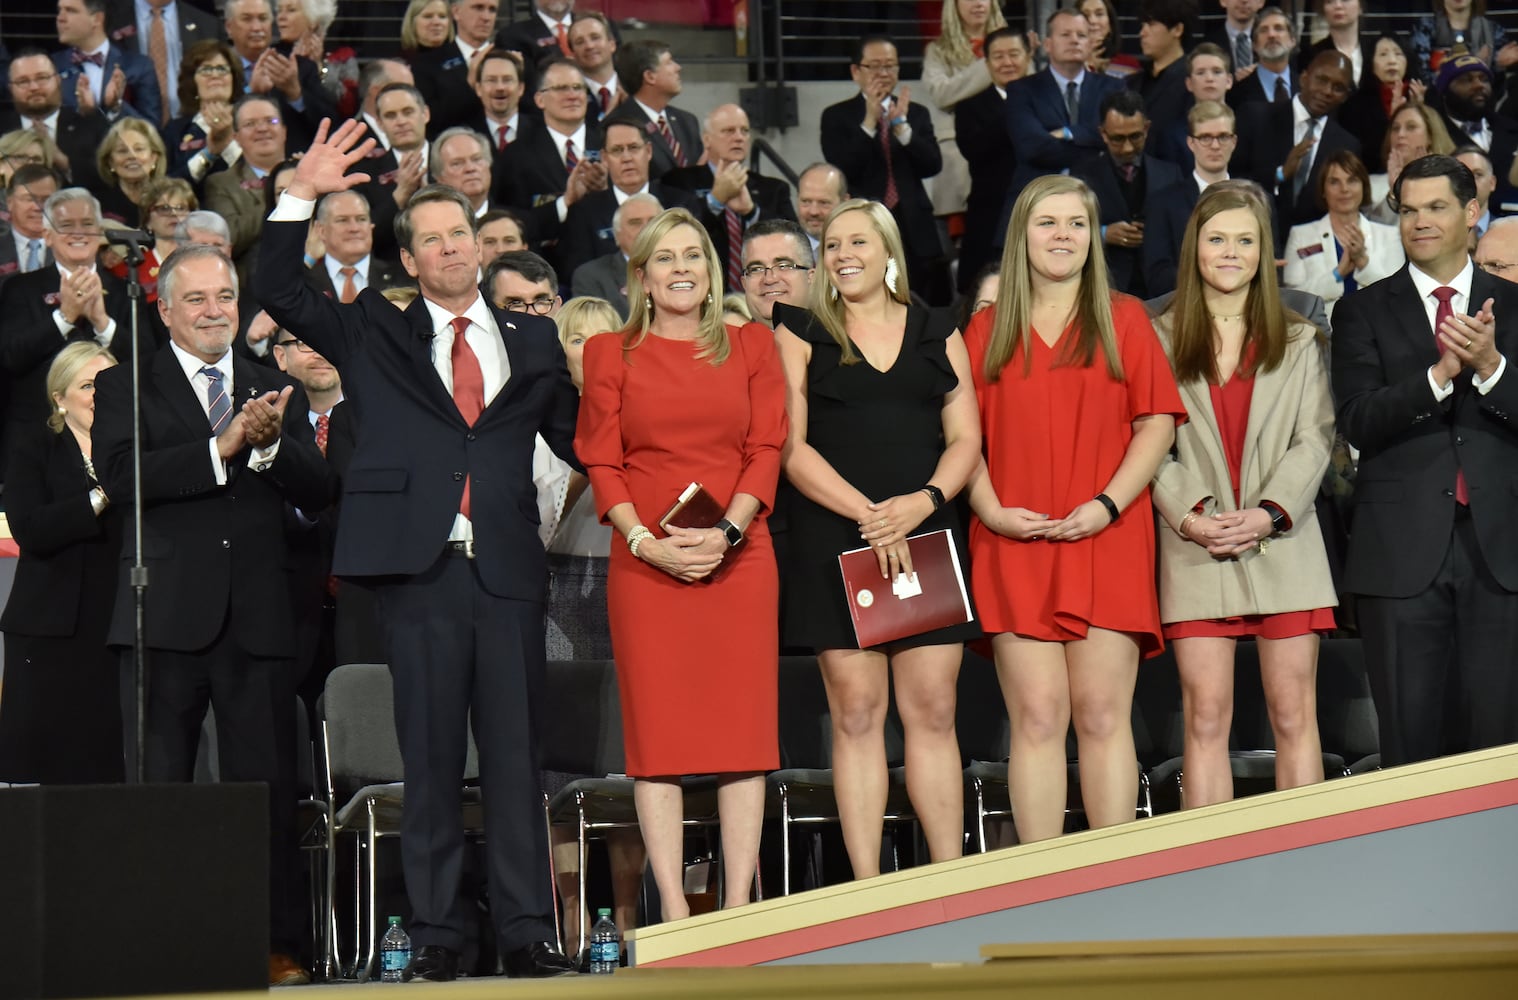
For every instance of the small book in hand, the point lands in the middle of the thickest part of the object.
(933, 597)
(696, 508)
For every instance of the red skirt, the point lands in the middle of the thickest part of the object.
(1284, 625)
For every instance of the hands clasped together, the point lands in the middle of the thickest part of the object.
(256, 425)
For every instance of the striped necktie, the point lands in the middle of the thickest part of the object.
(668, 135)
(218, 402)
(734, 249)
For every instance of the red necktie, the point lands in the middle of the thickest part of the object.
(734, 249)
(501, 142)
(1446, 311)
(570, 159)
(674, 144)
(350, 290)
(80, 58)
(323, 426)
(468, 387)
(563, 37)
(892, 196)
(605, 100)
(158, 52)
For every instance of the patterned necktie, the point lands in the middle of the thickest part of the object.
(323, 428)
(40, 126)
(563, 39)
(734, 249)
(468, 387)
(1072, 102)
(350, 290)
(33, 255)
(158, 52)
(218, 403)
(570, 159)
(501, 142)
(674, 144)
(1130, 170)
(892, 196)
(1446, 311)
(1243, 51)
(1304, 168)
(80, 58)
(1282, 95)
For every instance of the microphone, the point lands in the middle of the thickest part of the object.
(129, 237)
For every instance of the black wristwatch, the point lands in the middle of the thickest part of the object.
(731, 532)
(1278, 520)
(934, 494)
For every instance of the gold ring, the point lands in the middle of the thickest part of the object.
(1468, 342)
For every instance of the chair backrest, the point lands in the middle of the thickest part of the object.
(579, 728)
(806, 732)
(358, 707)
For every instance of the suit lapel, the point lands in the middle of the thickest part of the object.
(420, 346)
(1268, 387)
(512, 340)
(1412, 316)
(1197, 395)
(179, 393)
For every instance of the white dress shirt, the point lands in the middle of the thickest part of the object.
(260, 458)
(512, 130)
(360, 273)
(550, 475)
(1460, 302)
(1301, 118)
(96, 74)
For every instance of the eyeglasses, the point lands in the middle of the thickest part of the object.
(542, 305)
(209, 70)
(1495, 268)
(256, 122)
(879, 67)
(171, 209)
(90, 227)
(20, 158)
(627, 150)
(1216, 141)
(297, 345)
(783, 267)
(563, 88)
(40, 80)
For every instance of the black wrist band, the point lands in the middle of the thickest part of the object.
(934, 494)
(1106, 501)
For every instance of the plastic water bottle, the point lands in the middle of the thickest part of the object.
(605, 945)
(395, 952)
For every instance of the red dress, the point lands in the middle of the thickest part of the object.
(1053, 439)
(697, 664)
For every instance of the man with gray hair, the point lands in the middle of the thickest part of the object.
(461, 159)
(225, 447)
(777, 267)
(820, 189)
(70, 299)
(349, 264)
(205, 227)
(292, 80)
(1497, 251)
(605, 277)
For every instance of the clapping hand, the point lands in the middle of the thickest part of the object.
(81, 296)
(1471, 341)
(263, 417)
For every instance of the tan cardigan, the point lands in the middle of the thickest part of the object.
(1286, 452)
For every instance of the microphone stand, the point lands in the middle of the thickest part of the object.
(133, 240)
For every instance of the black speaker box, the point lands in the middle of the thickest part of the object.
(112, 890)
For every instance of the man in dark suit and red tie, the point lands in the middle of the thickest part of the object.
(593, 46)
(1420, 375)
(651, 78)
(440, 509)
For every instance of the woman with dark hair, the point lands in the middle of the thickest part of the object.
(1344, 250)
(1077, 409)
(200, 140)
(60, 717)
(1389, 81)
(1106, 40)
(1242, 478)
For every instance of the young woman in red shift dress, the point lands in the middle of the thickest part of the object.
(1077, 408)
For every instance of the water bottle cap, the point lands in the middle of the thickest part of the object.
(395, 921)
(604, 911)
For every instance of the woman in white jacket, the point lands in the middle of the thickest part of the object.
(954, 68)
(1344, 250)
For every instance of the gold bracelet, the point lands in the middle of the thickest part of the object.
(636, 537)
(1186, 523)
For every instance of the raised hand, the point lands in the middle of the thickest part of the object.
(114, 90)
(324, 168)
(84, 95)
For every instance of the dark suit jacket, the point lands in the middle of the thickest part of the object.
(1164, 226)
(62, 541)
(141, 100)
(10, 264)
(195, 25)
(382, 274)
(604, 278)
(237, 195)
(980, 131)
(846, 146)
(1504, 148)
(1251, 91)
(1125, 264)
(442, 76)
(1265, 137)
(587, 234)
(772, 199)
(530, 38)
(529, 171)
(1036, 107)
(1166, 102)
(211, 550)
(1411, 446)
(1326, 44)
(683, 124)
(316, 103)
(184, 141)
(78, 136)
(413, 448)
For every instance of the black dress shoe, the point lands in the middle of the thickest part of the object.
(432, 963)
(538, 960)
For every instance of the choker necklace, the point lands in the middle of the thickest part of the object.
(1222, 316)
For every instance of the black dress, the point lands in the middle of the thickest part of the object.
(60, 710)
(883, 432)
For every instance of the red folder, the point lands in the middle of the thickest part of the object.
(881, 616)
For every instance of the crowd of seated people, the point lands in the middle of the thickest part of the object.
(1148, 234)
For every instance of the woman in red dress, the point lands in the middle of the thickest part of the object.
(678, 398)
(1077, 409)
(1242, 479)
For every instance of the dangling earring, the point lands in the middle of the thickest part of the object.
(891, 273)
(709, 299)
(648, 302)
(832, 291)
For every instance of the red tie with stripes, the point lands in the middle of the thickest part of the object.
(468, 387)
(570, 159)
(674, 144)
(734, 249)
(892, 196)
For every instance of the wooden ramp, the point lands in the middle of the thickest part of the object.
(1424, 849)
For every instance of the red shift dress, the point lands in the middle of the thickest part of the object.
(1053, 439)
(697, 663)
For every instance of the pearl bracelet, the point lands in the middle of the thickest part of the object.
(636, 537)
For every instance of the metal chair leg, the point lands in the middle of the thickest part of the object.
(785, 842)
(584, 909)
(553, 881)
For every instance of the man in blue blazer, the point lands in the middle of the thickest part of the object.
(94, 73)
(1054, 116)
(440, 513)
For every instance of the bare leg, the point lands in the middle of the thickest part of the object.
(858, 691)
(1289, 673)
(627, 859)
(1206, 666)
(1103, 671)
(740, 807)
(661, 805)
(1037, 690)
(926, 680)
(566, 876)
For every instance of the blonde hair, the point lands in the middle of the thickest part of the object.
(712, 336)
(822, 297)
(16, 142)
(1439, 141)
(953, 42)
(587, 316)
(65, 367)
(1012, 326)
(401, 295)
(736, 304)
(113, 139)
(409, 41)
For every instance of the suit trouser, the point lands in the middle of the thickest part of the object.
(1453, 644)
(459, 653)
(254, 701)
